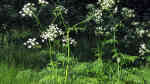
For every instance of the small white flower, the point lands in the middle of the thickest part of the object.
(25, 44)
(142, 49)
(29, 46)
(51, 33)
(98, 15)
(37, 43)
(143, 46)
(126, 12)
(28, 10)
(106, 4)
(141, 32)
(31, 43)
(42, 2)
(33, 39)
(43, 40)
(71, 41)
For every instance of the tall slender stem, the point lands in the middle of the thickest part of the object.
(68, 55)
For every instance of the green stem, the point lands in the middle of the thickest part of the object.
(118, 72)
(54, 20)
(37, 19)
(114, 37)
(68, 43)
(50, 51)
(68, 53)
(63, 21)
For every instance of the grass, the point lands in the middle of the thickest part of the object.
(80, 73)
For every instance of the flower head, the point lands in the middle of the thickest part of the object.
(28, 10)
(72, 41)
(42, 2)
(106, 4)
(127, 12)
(51, 33)
(31, 43)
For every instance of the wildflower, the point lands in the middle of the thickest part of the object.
(31, 43)
(143, 46)
(106, 4)
(98, 15)
(42, 2)
(99, 30)
(128, 12)
(142, 49)
(71, 41)
(25, 44)
(51, 33)
(28, 10)
(141, 32)
(29, 46)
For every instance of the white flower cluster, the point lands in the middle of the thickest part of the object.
(98, 15)
(28, 9)
(51, 33)
(71, 41)
(31, 43)
(99, 30)
(126, 12)
(106, 4)
(42, 2)
(142, 49)
(140, 32)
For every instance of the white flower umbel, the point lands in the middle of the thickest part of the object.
(142, 49)
(72, 41)
(106, 4)
(141, 32)
(31, 43)
(42, 2)
(98, 14)
(99, 30)
(51, 33)
(28, 10)
(126, 12)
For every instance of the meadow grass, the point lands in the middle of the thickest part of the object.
(79, 73)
